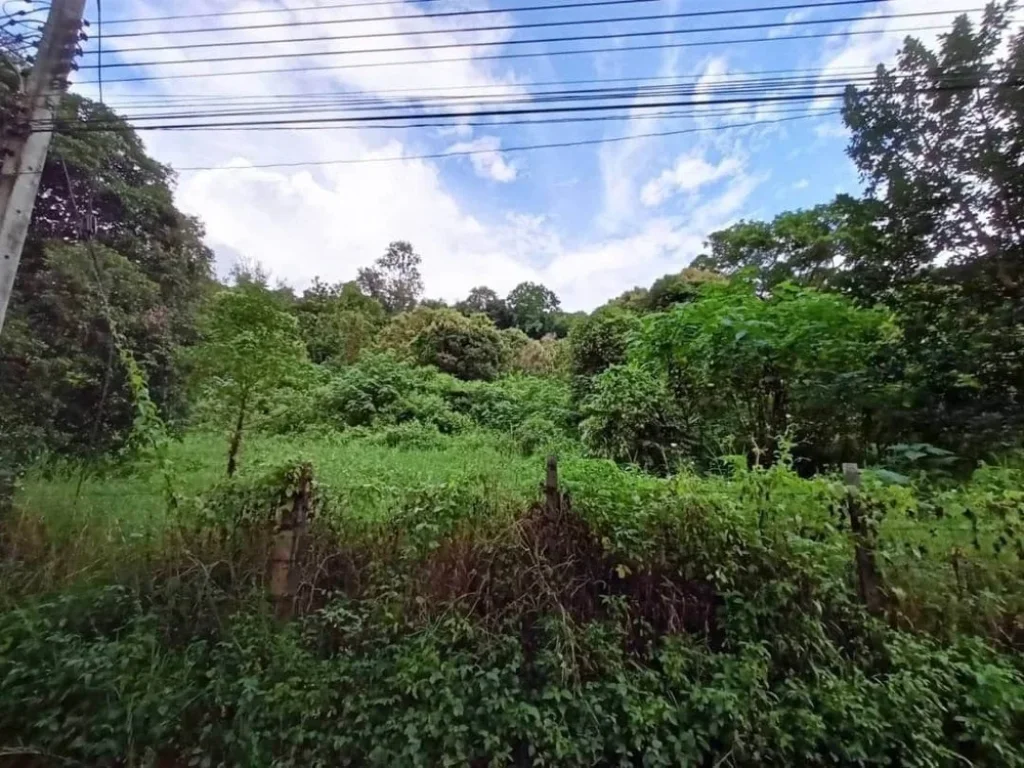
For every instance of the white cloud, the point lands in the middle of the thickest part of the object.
(714, 71)
(830, 130)
(331, 219)
(690, 173)
(790, 18)
(487, 160)
(879, 39)
(802, 184)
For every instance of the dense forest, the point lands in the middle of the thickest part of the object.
(703, 587)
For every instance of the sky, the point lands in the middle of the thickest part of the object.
(588, 221)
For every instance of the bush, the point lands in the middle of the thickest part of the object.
(543, 357)
(467, 348)
(755, 369)
(380, 390)
(630, 416)
(512, 400)
(597, 343)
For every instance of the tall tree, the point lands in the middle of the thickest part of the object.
(61, 383)
(483, 300)
(533, 306)
(249, 345)
(848, 244)
(394, 280)
(940, 139)
(338, 322)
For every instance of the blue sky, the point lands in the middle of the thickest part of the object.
(589, 221)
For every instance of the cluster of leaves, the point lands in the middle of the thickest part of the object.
(412, 405)
(732, 372)
(532, 308)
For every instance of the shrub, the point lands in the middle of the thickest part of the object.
(543, 357)
(467, 348)
(755, 368)
(597, 343)
(631, 416)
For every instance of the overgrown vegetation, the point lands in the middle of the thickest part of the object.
(702, 586)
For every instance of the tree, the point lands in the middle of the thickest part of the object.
(338, 322)
(58, 360)
(484, 301)
(542, 357)
(467, 348)
(401, 330)
(597, 343)
(847, 245)
(533, 306)
(630, 416)
(249, 346)
(938, 140)
(395, 279)
(748, 370)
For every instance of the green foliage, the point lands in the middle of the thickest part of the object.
(669, 290)
(249, 347)
(842, 245)
(752, 369)
(963, 365)
(944, 161)
(689, 621)
(382, 390)
(399, 335)
(484, 301)
(467, 348)
(599, 342)
(542, 357)
(511, 401)
(337, 322)
(631, 416)
(394, 280)
(57, 357)
(533, 308)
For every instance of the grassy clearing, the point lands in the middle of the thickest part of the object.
(72, 528)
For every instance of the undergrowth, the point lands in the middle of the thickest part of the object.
(446, 615)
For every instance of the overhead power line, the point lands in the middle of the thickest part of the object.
(325, 7)
(505, 56)
(518, 148)
(489, 28)
(373, 119)
(166, 99)
(358, 102)
(626, 96)
(572, 119)
(532, 41)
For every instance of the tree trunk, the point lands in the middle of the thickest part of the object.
(236, 437)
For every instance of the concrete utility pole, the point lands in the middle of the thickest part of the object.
(25, 152)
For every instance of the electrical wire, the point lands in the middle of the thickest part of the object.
(533, 41)
(377, 118)
(525, 55)
(360, 104)
(490, 28)
(700, 114)
(333, 6)
(469, 153)
(164, 100)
